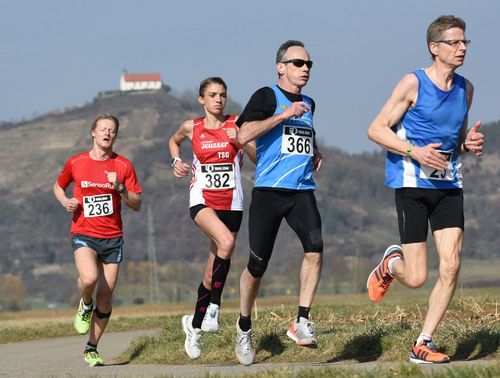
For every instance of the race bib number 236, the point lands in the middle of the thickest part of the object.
(97, 206)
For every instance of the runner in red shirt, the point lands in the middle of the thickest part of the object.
(101, 181)
(216, 199)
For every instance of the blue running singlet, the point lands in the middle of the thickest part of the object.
(284, 153)
(437, 117)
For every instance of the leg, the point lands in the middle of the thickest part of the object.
(449, 246)
(310, 273)
(305, 220)
(106, 285)
(412, 270)
(88, 272)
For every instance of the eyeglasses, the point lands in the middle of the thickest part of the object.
(299, 62)
(455, 42)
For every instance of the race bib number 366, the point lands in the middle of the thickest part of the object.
(97, 206)
(297, 141)
(217, 176)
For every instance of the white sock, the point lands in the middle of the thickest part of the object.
(424, 337)
(391, 262)
(86, 306)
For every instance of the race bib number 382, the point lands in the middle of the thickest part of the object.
(97, 206)
(217, 176)
(297, 141)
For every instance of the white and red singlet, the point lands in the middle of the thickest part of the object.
(217, 161)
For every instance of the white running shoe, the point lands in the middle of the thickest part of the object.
(192, 344)
(245, 351)
(211, 319)
(302, 332)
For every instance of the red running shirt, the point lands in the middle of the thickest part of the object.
(217, 161)
(99, 213)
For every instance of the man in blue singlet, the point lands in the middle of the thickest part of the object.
(280, 119)
(423, 127)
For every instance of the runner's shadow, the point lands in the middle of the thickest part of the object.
(135, 353)
(362, 348)
(272, 344)
(477, 345)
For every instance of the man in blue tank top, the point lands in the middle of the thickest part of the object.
(280, 119)
(423, 127)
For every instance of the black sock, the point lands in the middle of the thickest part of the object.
(90, 347)
(219, 274)
(245, 323)
(201, 305)
(303, 312)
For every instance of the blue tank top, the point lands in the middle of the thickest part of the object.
(284, 153)
(437, 117)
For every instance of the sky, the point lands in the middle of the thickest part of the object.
(59, 53)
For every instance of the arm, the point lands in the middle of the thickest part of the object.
(185, 131)
(70, 204)
(402, 98)
(249, 149)
(472, 140)
(132, 200)
(317, 156)
(251, 130)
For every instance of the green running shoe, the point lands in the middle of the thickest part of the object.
(93, 358)
(82, 319)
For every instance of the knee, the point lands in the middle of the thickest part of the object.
(416, 280)
(226, 247)
(449, 269)
(314, 259)
(315, 241)
(88, 280)
(256, 266)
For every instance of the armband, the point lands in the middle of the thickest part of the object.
(410, 149)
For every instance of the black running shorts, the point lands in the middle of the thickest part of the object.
(269, 207)
(108, 250)
(442, 208)
(231, 218)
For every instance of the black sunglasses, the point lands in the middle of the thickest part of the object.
(299, 62)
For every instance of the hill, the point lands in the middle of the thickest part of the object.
(357, 210)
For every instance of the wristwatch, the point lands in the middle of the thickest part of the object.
(121, 189)
(175, 160)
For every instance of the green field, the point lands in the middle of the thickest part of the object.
(350, 329)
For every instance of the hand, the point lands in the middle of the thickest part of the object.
(231, 133)
(297, 109)
(430, 156)
(475, 140)
(180, 169)
(317, 160)
(113, 179)
(71, 205)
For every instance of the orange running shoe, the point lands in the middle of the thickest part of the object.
(380, 278)
(425, 353)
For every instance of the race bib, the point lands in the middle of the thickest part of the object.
(97, 206)
(217, 176)
(435, 174)
(297, 141)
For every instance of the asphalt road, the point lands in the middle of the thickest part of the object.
(63, 357)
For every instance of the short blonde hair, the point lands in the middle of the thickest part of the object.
(105, 116)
